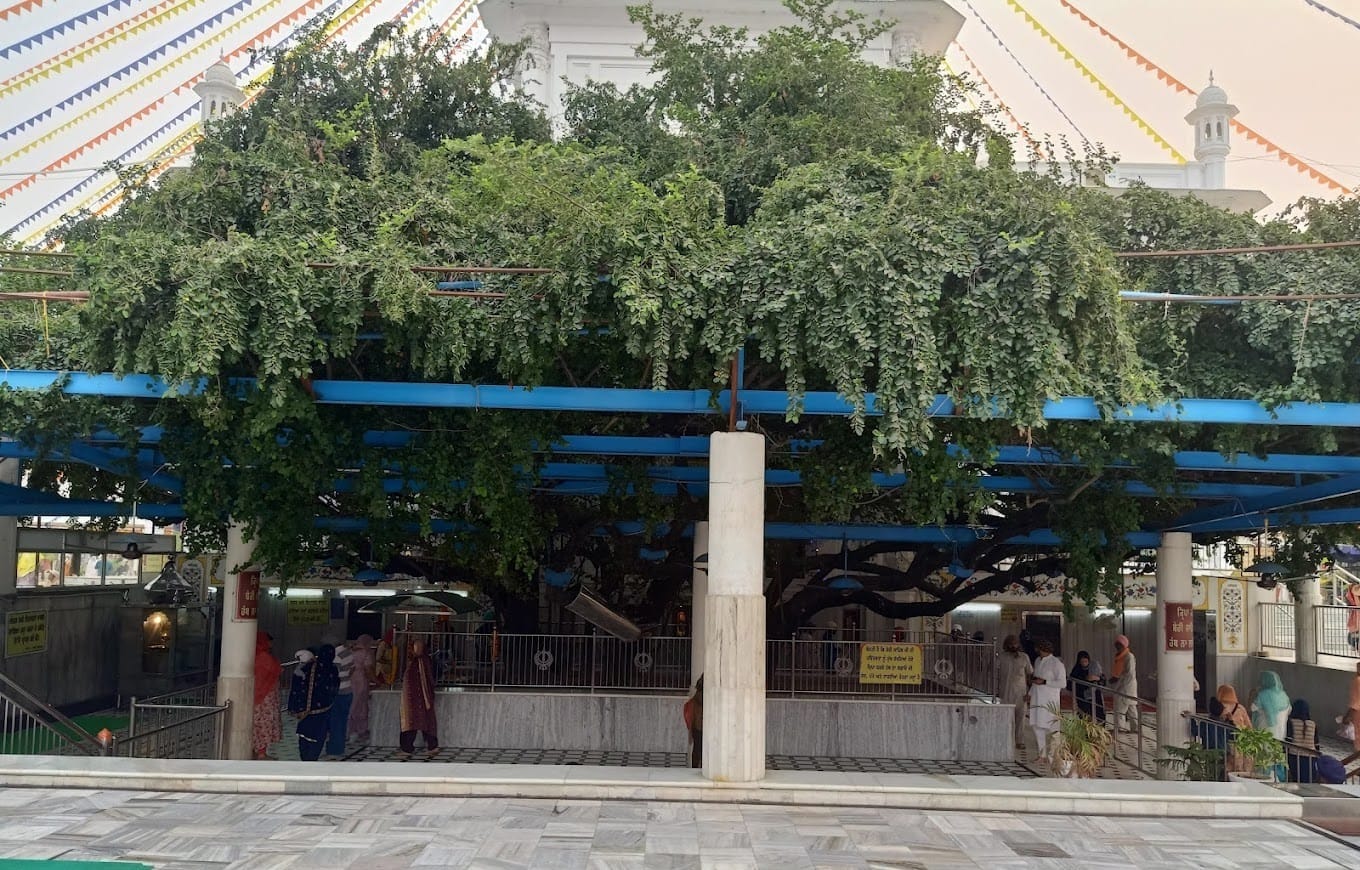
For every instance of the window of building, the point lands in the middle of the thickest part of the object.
(74, 570)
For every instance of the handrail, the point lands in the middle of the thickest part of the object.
(27, 697)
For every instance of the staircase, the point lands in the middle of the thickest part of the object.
(29, 726)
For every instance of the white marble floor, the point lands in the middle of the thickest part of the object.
(225, 831)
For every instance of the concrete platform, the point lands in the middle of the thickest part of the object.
(816, 788)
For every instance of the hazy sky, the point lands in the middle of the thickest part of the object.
(69, 102)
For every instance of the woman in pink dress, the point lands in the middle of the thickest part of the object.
(363, 679)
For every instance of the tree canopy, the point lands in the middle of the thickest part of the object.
(849, 226)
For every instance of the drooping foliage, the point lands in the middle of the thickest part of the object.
(835, 219)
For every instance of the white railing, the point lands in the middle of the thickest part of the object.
(1277, 625)
(835, 667)
(1338, 631)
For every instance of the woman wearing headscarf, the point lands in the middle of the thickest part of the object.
(1270, 709)
(265, 727)
(1014, 670)
(418, 702)
(362, 682)
(387, 659)
(1302, 747)
(1235, 716)
(1090, 702)
(315, 683)
(693, 712)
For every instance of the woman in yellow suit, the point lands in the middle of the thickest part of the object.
(388, 659)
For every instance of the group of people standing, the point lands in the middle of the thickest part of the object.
(1034, 684)
(328, 694)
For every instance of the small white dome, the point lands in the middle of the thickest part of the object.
(1212, 96)
(220, 73)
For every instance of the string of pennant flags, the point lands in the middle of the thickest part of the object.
(146, 79)
(104, 40)
(59, 29)
(183, 87)
(1094, 79)
(187, 115)
(165, 157)
(1181, 87)
(996, 37)
(1324, 8)
(1000, 103)
(127, 69)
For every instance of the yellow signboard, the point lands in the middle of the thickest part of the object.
(900, 664)
(309, 611)
(25, 632)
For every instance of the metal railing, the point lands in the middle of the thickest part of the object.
(1217, 735)
(496, 662)
(29, 726)
(539, 661)
(827, 667)
(1338, 630)
(150, 714)
(1277, 625)
(191, 732)
(1134, 738)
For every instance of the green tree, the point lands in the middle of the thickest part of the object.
(774, 194)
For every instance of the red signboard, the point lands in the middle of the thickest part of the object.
(247, 596)
(1180, 626)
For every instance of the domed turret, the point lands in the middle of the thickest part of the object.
(218, 93)
(1212, 120)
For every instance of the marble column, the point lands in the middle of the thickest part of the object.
(240, 612)
(699, 594)
(1175, 667)
(9, 534)
(1305, 621)
(734, 617)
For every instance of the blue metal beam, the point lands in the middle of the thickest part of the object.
(612, 400)
(1257, 522)
(1336, 487)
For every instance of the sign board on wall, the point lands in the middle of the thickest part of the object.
(901, 664)
(309, 611)
(1179, 629)
(247, 596)
(25, 632)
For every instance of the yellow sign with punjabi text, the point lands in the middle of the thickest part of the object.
(899, 664)
(309, 611)
(25, 632)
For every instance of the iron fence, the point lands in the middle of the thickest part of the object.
(1217, 735)
(541, 661)
(29, 726)
(1277, 625)
(149, 714)
(189, 732)
(1338, 631)
(1133, 730)
(851, 667)
(495, 662)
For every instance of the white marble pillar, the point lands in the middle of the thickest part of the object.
(1175, 667)
(1305, 621)
(734, 617)
(699, 594)
(9, 534)
(535, 73)
(236, 680)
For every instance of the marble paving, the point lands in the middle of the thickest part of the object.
(198, 830)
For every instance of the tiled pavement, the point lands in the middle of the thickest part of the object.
(220, 831)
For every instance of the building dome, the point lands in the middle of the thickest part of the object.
(1212, 96)
(220, 73)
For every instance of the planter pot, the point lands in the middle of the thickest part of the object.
(1250, 777)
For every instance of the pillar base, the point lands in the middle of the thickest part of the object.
(734, 689)
(240, 691)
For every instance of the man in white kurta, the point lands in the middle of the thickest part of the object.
(1045, 695)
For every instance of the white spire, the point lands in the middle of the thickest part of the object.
(1212, 120)
(218, 94)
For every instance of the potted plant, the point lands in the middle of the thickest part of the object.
(1079, 746)
(1194, 761)
(1261, 750)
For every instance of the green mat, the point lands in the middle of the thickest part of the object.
(20, 864)
(36, 741)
